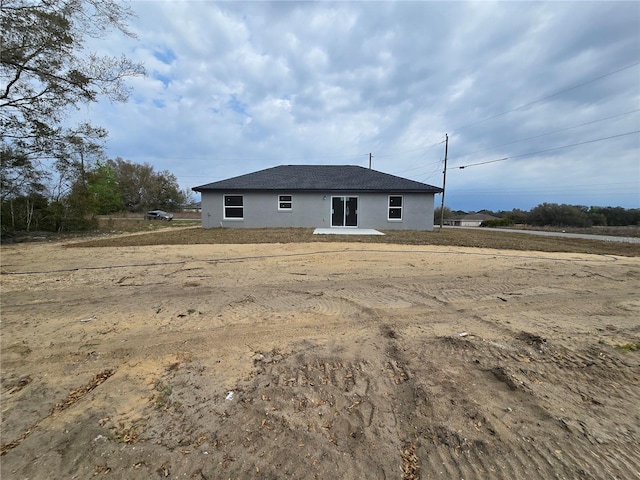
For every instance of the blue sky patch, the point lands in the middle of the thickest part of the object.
(166, 56)
(163, 78)
(236, 105)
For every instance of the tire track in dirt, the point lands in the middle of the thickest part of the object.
(375, 296)
(376, 352)
(286, 302)
(73, 397)
(306, 398)
(466, 292)
(549, 457)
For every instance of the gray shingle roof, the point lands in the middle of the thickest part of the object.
(296, 178)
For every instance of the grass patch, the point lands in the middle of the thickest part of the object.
(480, 238)
(629, 347)
(134, 225)
(161, 399)
(128, 435)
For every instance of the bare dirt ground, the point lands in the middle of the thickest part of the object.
(318, 360)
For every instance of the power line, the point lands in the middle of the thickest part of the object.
(566, 191)
(419, 166)
(620, 186)
(353, 157)
(479, 163)
(568, 89)
(433, 172)
(544, 151)
(428, 147)
(548, 133)
(548, 96)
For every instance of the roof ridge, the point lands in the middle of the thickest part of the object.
(320, 177)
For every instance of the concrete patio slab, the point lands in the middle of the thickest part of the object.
(346, 231)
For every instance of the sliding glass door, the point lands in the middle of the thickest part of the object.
(344, 211)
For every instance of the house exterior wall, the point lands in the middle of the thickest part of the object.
(463, 223)
(313, 210)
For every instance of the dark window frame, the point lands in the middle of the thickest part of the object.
(395, 209)
(230, 210)
(285, 205)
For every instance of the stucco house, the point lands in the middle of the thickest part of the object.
(318, 196)
(469, 220)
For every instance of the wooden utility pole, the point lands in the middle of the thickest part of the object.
(370, 157)
(444, 178)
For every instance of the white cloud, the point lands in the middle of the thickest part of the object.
(239, 86)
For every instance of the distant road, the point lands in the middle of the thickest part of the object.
(604, 238)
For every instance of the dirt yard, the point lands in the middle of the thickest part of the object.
(318, 360)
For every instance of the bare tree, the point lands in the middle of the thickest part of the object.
(44, 72)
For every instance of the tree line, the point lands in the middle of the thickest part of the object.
(73, 202)
(556, 215)
(53, 175)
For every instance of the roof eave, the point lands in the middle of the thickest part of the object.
(318, 190)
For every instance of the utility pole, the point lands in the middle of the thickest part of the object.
(370, 157)
(444, 178)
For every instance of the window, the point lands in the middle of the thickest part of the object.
(285, 202)
(233, 207)
(395, 207)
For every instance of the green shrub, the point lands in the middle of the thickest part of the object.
(499, 222)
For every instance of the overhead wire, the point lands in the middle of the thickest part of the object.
(573, 87)
(428, 147)
(432, 145)
(587, 186)
(547, 97)
(560, 92)
(438, 169)
(519, 107)
(418, 167)
(520, 140)
(602, 189)
(543, 151)
(546, 134)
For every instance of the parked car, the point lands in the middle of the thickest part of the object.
(158, 215)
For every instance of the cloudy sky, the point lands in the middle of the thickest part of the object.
(541, 101)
